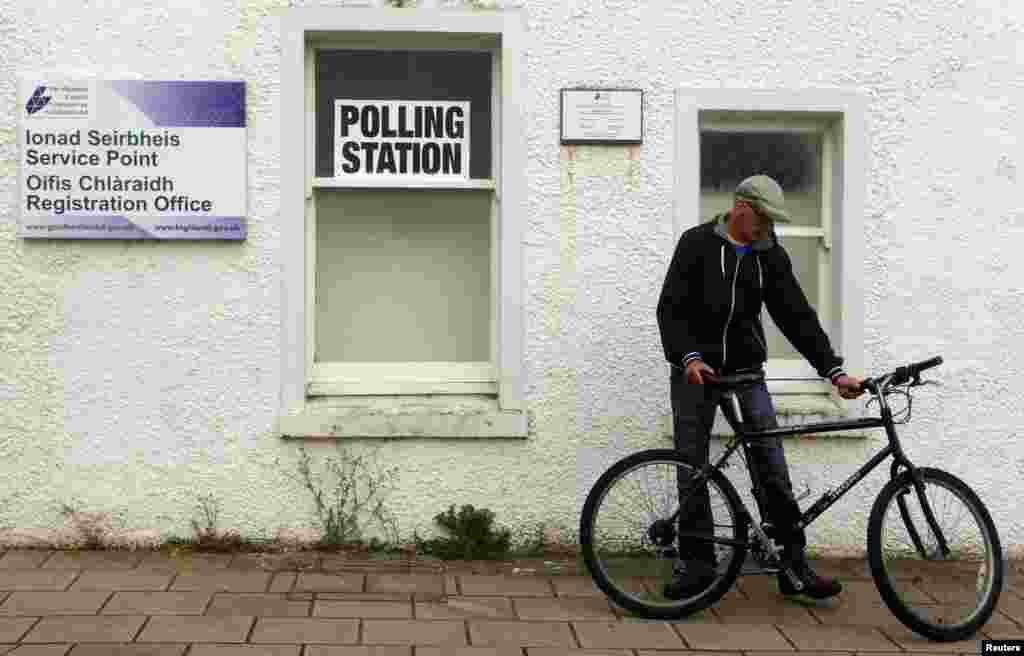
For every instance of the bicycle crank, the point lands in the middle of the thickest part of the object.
(662, 533)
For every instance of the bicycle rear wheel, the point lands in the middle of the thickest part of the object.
(942, 597)
(631, 547)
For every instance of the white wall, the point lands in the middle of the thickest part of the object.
(136, 376)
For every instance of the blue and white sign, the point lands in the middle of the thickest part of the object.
(131, 159)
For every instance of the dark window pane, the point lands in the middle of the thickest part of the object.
(404, 75)
(791, 159)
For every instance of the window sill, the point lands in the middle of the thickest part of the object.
(793, 409)
(388, 419)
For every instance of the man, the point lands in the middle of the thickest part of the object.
(709, 315)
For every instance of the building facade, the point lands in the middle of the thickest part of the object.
(477, 307)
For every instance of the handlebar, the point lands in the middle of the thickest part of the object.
(897, 376)
(732, 379)
(901, 375)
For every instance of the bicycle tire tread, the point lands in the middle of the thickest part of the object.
(888, 592)
(722, 583)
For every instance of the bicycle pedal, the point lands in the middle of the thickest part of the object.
(754, 565)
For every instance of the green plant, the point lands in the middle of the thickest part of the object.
(472, 536)
(207, 538)
(400, 3)
(91, 526)
(340, 515)
(535, 547)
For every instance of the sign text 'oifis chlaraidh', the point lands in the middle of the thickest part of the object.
(131, 159)
(422, 139)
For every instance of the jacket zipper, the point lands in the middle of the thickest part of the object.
(760, 317)
(732, 305)
(753, 329)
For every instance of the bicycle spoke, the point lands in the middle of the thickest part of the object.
(938, 595)
(634, 539)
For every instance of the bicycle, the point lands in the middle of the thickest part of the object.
(904, 539)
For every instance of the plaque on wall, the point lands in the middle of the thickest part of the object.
(602, 116)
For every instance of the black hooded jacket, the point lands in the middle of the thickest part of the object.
(710, 305)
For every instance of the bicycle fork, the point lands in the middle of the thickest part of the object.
(900, 460)
(929, 517)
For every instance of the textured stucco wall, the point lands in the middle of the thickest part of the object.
(135, 377)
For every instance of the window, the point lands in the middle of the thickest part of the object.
(731, 151)
(811, 143)
(373, 74)
(402, 275)
(399, 282)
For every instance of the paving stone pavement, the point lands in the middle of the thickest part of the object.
(123, 603)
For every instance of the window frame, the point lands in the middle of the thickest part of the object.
(305, 30)
(797, 370)
(838, 115)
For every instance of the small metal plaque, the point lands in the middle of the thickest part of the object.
(602, 116)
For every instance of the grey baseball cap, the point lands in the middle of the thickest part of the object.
(766, 195)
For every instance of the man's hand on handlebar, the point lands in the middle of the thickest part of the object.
(697, 372)
(849, 387)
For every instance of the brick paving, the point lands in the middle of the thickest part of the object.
(307, 604)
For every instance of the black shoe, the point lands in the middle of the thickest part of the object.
(813, 585)
(691, 581)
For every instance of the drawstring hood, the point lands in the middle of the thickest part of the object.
(760, 275)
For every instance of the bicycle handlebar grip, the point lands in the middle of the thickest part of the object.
(905, 373)
(925, 364)
(902, 374)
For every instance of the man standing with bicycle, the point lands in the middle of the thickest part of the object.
(709, 315)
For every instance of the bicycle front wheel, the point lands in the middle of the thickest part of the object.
(942, 596)
(630, 538)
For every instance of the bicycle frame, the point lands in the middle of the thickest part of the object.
(731, 409)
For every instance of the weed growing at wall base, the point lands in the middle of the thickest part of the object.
(472, 537)
(340, 515)
(208, 539)
(92, 527)
(356, 496)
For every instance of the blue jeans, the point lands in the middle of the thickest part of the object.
(693, 413)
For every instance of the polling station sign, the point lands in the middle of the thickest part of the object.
(396, 139)
(131, 159)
